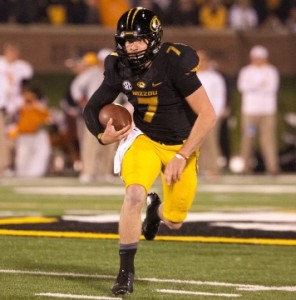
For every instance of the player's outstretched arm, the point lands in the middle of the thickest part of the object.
(201, 105)
(203, 108)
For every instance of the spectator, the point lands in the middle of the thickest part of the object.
(215, 87)
(261, 10)
(164, 13)
(42, 11)
(258, 84)
(291, 21)
(82, 12)
(227, 3)
(76, 11)
(272, 24)
(92, 16)
(13, 71)
(33, 147)
(25, 11)
(242, 16)
(151, 5)
(57, 12)
(213, 15)
(184, 12)
(72, 112)
(111, 10)
(279, 8)
(4, 155)
(97, 160)
(4, 11)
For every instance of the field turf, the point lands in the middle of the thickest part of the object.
(58, 240)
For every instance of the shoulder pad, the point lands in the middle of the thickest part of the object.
(111, 69)
(182, 57)
(111, 60)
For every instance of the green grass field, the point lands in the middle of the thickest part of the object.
(34, 265)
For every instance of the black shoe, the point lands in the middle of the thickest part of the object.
(152, 221)
(123, 284)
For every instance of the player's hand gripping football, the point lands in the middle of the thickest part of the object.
(110, 134)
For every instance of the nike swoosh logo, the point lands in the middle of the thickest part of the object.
(156, 84)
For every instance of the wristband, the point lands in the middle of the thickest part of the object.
(179, 155)
(100, 139)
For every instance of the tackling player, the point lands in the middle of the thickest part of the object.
(172, 115)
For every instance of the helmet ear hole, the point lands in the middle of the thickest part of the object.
(138, 23)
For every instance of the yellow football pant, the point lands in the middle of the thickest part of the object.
(145, 160)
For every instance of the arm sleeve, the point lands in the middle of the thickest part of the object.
(102, 96)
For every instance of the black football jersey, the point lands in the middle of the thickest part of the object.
(158, 95)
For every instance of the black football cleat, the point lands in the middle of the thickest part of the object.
(123, 284)
(151, 222)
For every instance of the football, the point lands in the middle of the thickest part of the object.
(120, 115)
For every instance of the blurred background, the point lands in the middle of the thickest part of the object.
(54, 37)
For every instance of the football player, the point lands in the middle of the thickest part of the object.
(173, 114)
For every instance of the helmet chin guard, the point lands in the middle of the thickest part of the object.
(138, 23)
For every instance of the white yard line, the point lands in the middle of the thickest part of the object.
(57, 274)
(118, 191)
(197, 293)
(71, 296)
(275, 220)
(271, 218)
(248, 188)
(74, 190)
(257, 226)
(238, 286)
